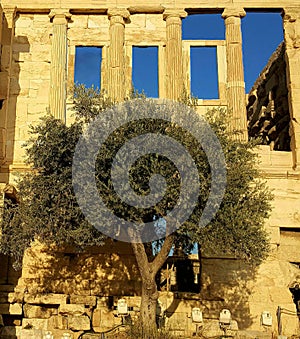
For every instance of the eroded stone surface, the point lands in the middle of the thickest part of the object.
(66, 293)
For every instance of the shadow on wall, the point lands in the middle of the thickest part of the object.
(108, 270)
(13, 51)
(212, 285)
(10, 317)
(20, 48)
(225, 284)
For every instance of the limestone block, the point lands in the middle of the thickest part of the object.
(84, 300)
(98, 21)
(155, 22)
(41, 21)
(41, 324)
(212, 329)
(33, 311)
(133, 301)
(24, 21)
(102, 320)
(58, 334)
(7, 308)
(5, 58)
(137, 21)
(78, 21)
(35, 70)
(280, 295)
(43, 55)
(58, 322)
(49, 298)
(72, 309)
(14, 87)
(31, 333)
(15, 308)
(3, 84)
(79, 322)
(37, 109)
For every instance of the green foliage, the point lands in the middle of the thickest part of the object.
(238, 228)
(48, 210)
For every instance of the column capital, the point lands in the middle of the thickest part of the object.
(60, 15)
(233, 11)
(121, 12)
(10, 14)
(174, 12)
(291, 14)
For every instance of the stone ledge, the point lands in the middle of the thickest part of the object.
(46, 299)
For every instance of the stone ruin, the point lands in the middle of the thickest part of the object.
(61, 291)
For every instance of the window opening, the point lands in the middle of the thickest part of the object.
(204, 72)
(203, 27)
(145, 70)
(88, 66)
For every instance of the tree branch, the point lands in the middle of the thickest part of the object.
(161, 257)
(142, 259)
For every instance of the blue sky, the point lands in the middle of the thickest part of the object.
(262, 33)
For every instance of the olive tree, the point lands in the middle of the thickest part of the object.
(48, 208)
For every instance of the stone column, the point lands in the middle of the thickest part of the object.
(116, 87)
(174, 63)
(58, 71)
(236, 99)
(6, 98)
(291, 24)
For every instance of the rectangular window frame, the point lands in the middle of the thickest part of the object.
(221, 68)
(160, 63)
(71, 65)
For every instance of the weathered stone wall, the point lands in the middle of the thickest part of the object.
(268, 106)
(70, 292)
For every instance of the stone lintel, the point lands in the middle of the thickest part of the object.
(146, 9)
(60, 15)
(233, 11)
(174, 12)
(118, 12)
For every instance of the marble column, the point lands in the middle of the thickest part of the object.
(236, 99)
(291, 24)
(116, 87)
(174, 63)
(59, 57)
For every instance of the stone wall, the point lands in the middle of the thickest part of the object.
(268, 106)
(65, 291)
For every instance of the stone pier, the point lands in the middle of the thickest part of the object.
(174, 73)
(116, 63)
(291, 22)
(7, 38)
(235, 70)
(59, 57)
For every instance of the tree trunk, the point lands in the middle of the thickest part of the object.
(148, 271)
(148, 307)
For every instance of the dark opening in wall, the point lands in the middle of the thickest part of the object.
(88, 66)
(203, 27)
(295, 290)
(204, 72)
(145, 70)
